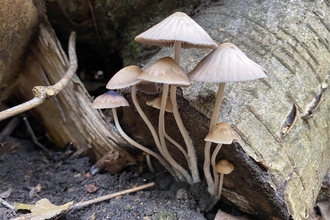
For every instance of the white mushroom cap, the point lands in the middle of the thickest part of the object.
(126, 77)
(224, 167)
(222, 133)
(177, 27)
(227, 63)
(109, 99)
(167, 71)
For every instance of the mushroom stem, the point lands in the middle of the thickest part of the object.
(137, 145)
(217, 105)
(220, 186)
(207, 149)
(183, 151)
(145, 119)
(192, 159)
(190, 148)
(182, 173)
(213, 158)
(151, 169)
(206, 167)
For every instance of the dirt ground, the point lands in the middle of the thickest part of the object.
(33, 175)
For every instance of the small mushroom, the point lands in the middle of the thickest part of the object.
(113, 100)
(223, 167)
(222, 133)
(227, 63)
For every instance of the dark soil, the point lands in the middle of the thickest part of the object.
(63, 180)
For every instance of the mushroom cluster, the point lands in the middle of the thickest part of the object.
(226, 63)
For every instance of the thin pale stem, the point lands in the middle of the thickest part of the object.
(145, 119)
(213, 158)
(192, 159)
(183, 151)
(210, 182)
(190, 148)
(182, 173)
(137, 145)
(217, 105)
(220, 186)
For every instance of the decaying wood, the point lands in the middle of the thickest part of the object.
(41, 93)
(68, 117)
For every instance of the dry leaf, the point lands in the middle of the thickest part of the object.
(44, 209)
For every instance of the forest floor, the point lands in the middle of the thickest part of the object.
(31, 176)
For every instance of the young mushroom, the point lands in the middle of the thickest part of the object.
(113, 100)
(220, 134)
(227, 63)
(180, 31)
(223, 167)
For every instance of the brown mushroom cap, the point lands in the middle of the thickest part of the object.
(157, 102)
(177, 27)
(125, 77)
(224, 167)
(222, 133)
(167, 71)
(149, 88)
(227, 63)
(109, 99)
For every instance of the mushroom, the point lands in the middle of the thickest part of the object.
(167, 71)
(113, 100)
(227, 63)
(222, 133)
(179, 30)
(223, 167)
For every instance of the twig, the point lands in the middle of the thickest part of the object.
(41, 93)
(12, 124)
(34, 138)
(3, 202)
(110, 196)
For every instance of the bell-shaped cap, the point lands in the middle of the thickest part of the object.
(177, 27)
(224, 167)
(109, 99)
(222, 133)
(227, 63)
(167, 71)
(156, 103)
(126, 77)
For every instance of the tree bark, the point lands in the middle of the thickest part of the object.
(276, 176)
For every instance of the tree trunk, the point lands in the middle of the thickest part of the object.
(277, 174)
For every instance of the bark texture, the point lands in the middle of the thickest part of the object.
(275, 176)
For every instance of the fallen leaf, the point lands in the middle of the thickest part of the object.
(44, 209)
